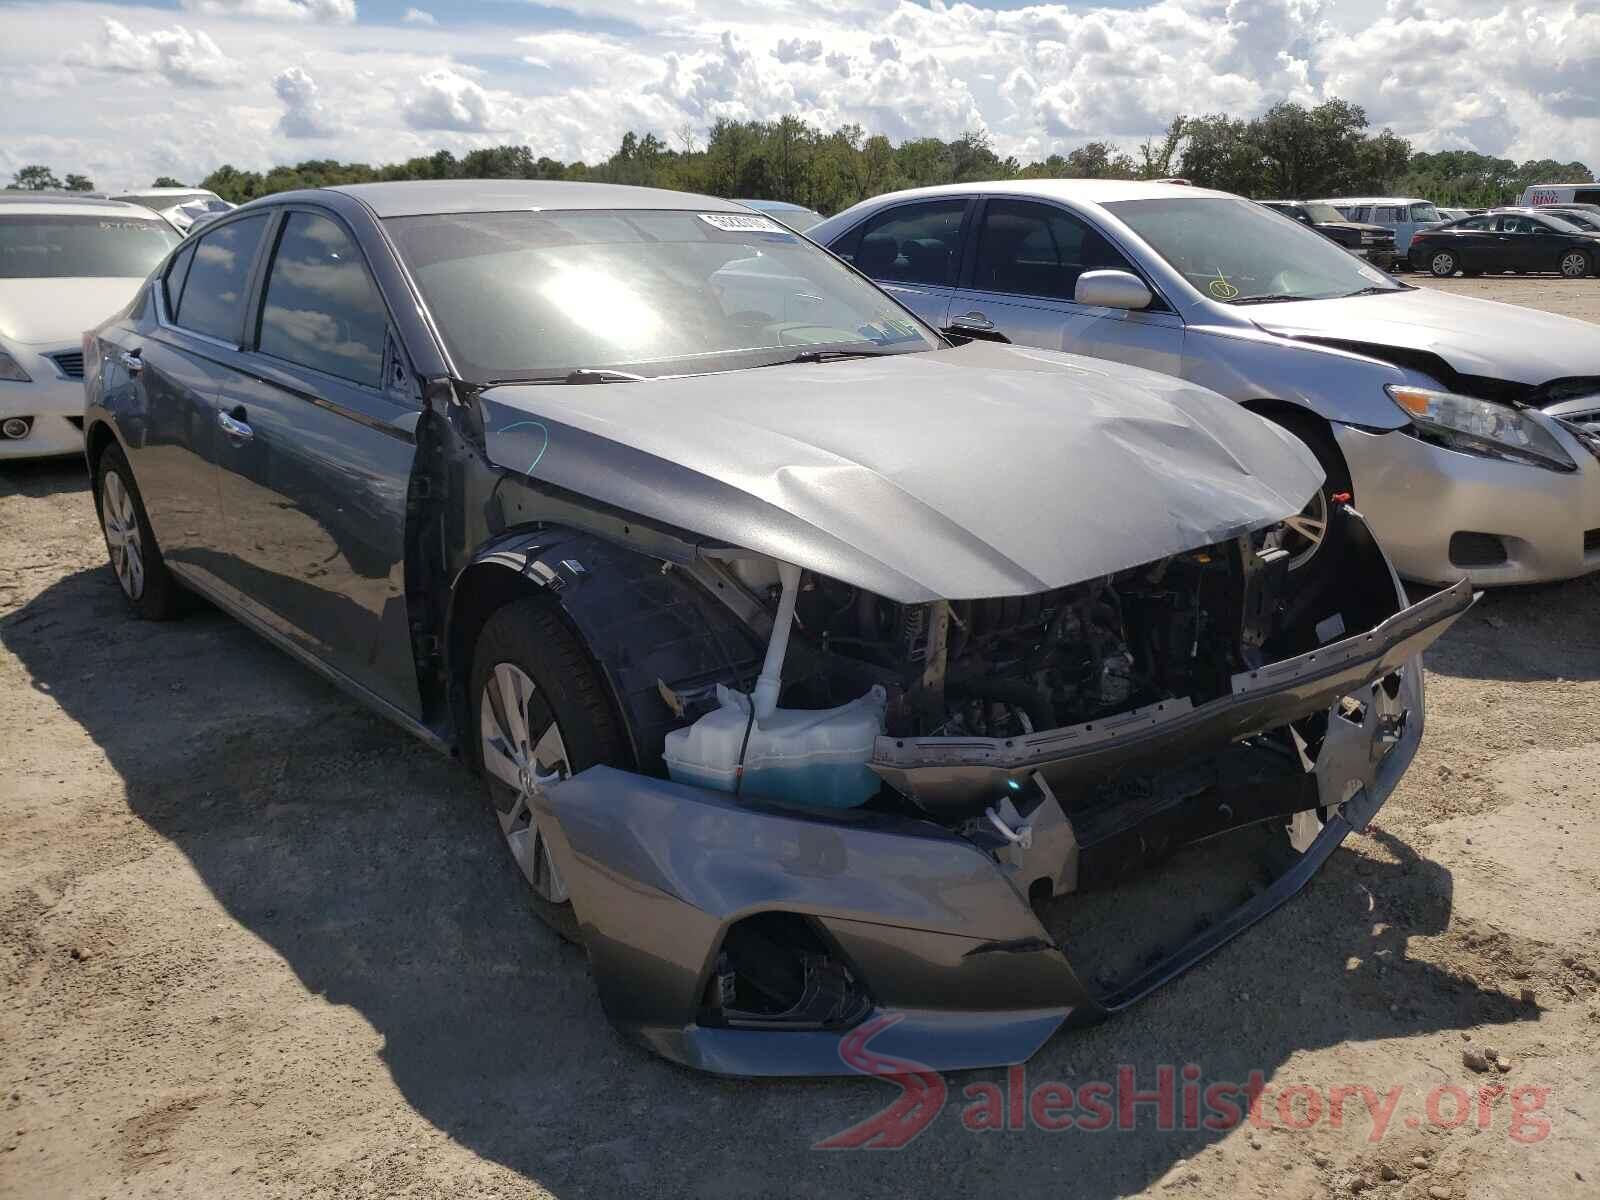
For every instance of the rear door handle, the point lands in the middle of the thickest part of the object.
(233, 425)
(131, 361)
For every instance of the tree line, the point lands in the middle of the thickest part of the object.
(1291, 151)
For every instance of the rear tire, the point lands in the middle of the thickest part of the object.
(1442, 264)
(539, 712)
(136, 561)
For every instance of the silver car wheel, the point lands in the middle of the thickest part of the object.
(1574, 265)
(1443, 264)
(123, 539)
(520, 760)
(1303, 534)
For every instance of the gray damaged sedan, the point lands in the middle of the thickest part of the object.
(1466, 431)
(805, 656)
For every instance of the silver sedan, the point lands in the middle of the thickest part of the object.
(1467, 432)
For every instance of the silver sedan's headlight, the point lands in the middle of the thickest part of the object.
(11, 369)
(1481, 427)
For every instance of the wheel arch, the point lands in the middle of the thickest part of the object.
(97, 439)
(641, 623)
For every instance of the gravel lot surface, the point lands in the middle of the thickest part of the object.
(255, 943)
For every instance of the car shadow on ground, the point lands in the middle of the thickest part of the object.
(42, 477)
(370, 864)
(1540, 633)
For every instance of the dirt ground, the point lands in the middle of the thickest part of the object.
(255, 942)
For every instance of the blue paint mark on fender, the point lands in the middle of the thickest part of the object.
(544, 443)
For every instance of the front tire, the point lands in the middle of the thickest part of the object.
(1315, 537)
(1442, 264)
(1576, 264)
(136, 560)
(540, 712)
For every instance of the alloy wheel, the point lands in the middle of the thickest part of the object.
(123, 539)
(1443, 265)
(1574, 265)
(522, 752)
(1303, 534)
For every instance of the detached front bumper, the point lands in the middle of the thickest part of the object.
(933, 928)
(1442, 515)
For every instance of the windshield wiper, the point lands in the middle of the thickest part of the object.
(1270, 298)
(817, 356)
(576, 375)
(1378, 290)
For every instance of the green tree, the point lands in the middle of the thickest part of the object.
(79, 183)
(35, 177)
(166, 181)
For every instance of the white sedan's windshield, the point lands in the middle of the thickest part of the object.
(536, 295)
(1239, 253)
(73, 245)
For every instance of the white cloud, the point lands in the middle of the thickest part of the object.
(335, 11)
(304, 113)
(175, 54)
(447, 100)
(1514, 77)
(416, 16)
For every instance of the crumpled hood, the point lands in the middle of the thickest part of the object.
(1475, 337)
(986, 470)
(41, 312)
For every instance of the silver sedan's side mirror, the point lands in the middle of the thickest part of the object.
(1112, 289)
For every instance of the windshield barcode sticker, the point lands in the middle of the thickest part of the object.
(741, 223)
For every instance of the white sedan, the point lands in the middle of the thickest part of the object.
(65, 266)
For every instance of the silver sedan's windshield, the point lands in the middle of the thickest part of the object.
(1239, 253)
(74, 245)
(544, 295)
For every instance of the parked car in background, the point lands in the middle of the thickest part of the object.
(1541, 194)
(1454, 214)
(184, 208)
(1523, 242)
(796, 216)
(1403, 215)
(1584, 218)
(66, 264)
(1454, 422)
(773, 623)
(1375, 243)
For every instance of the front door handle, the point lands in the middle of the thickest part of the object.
(234, 426)
(972, 320)
(131, 361)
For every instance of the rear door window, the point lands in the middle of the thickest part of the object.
(322, 309)
(1029, 249)
(177, 272)
(911, 243)
(214, 294)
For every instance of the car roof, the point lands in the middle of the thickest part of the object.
(33, 204)
(776, 205)
(163, 191)
(421, 197)
(1367, 200)
(1084, 191)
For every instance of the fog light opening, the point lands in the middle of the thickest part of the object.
(777, 970)
(1477, 550)
(16, 428)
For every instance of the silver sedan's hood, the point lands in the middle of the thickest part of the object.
(1475, 337)
(987, 470)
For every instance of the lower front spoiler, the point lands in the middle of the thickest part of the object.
(934, 928)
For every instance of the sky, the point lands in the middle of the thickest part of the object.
(126, 92)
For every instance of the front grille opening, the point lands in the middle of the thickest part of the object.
(1591, 541)
(70, 363)
(1477, 550)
